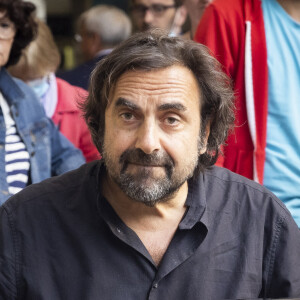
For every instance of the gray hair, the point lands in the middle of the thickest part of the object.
(108, 22)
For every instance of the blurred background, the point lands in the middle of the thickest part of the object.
(61, 16)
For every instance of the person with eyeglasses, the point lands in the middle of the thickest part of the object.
(168, 15)
(31, 147)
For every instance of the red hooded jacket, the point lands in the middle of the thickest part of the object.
(234, 32)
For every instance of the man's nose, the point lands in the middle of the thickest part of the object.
(148, 138)
(148, 17)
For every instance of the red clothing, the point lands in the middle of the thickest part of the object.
(234, 31)
(67, 117)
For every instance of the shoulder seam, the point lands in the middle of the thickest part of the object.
(265, 192)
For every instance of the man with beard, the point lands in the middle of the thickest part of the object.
(168, 15)
(154, 219)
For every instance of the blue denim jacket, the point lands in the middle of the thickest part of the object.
(50, 152)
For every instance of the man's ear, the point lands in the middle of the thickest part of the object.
(179, 19)
(205, 138)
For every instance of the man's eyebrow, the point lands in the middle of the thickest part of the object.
(170, 106)
(126, 103)
(166, 106)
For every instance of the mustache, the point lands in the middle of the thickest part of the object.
(137, 156)
(146, 27)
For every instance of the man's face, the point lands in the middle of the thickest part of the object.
(152, 126)
(153, 18)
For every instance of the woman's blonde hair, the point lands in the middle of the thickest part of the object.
(39, 58)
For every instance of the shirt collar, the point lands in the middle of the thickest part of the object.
(195, 202)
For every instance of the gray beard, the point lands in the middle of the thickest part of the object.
(141, 187)
(160, 190)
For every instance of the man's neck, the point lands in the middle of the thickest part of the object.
(292, 7)
(155, 226)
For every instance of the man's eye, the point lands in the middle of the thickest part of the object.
(158, 8)
(172, 121)
(127, 116)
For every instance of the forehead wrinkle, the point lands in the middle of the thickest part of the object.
(175, 82)
(165, 95)
(150, 79)
(155, 87)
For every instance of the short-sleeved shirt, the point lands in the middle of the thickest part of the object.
(61, 239)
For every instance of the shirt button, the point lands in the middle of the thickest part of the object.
(119, 230)
(155, 285)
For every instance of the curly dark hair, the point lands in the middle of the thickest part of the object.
(21, 14)
(155, 50)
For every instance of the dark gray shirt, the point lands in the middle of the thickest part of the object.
(61, 239)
